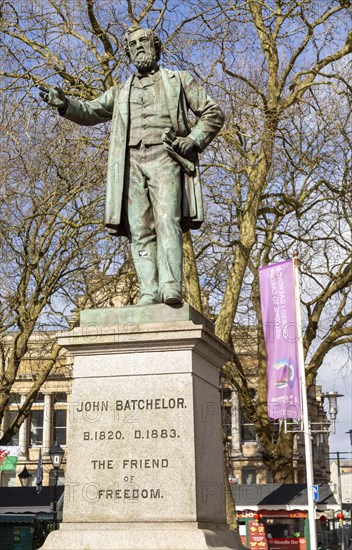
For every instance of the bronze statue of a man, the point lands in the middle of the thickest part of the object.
(153, 186)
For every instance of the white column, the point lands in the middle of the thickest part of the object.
(236, 424)
(23, 431)
(47, 423)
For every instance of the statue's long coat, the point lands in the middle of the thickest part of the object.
(183, 93)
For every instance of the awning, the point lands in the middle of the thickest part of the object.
(17, 518)
(288, 496)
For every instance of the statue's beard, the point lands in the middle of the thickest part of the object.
(144, 60)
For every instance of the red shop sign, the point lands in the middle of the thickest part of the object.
(257, 536)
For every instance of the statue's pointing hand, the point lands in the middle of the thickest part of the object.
(55, 97)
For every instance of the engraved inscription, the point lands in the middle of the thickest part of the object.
(128, 452)
(150, 404)
(155, 434)
(103, 464)
(101, 435)
(129, 494)
(132, 405)
(146, 463)
(89, 406)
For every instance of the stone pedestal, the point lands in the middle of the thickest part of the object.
(145, 460)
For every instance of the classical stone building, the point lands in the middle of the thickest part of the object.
(48, 419)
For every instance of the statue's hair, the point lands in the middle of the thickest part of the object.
(156, 39)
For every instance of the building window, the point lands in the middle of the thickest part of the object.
(36, 420)
(36, 429)
(285, 527)
(39, 399)
(226, 396)
(60, 397)
(249, 476)
(16, 437)
(60, 417)
(14, 400)
(227, 420)
(60, 421)
(247, 428)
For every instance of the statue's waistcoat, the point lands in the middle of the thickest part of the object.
(149, 112)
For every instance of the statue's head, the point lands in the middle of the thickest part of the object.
(142, 47)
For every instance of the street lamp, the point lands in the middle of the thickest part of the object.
(308, 429)
(24, 477)
(56, 455)
(332, 397)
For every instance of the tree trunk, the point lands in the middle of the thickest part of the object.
(191, 286)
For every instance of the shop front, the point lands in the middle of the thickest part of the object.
(26, 516)
(275, 516)
(273, 529)
(16, 531)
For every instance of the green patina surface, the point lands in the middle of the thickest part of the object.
(153, 181)
(155, 313)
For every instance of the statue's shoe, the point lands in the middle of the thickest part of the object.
(146, 300)
(172, 298)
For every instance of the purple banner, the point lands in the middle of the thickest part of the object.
(281, 333)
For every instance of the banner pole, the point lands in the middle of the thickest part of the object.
(305, 417)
